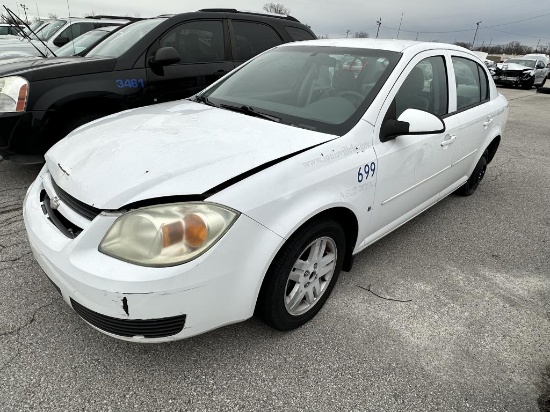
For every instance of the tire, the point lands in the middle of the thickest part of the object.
(293, 290)
(475, 178)
(61, 128)
(78, 121)
(528, 85)
(543, 90)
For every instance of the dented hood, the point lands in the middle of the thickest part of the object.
(177, 148)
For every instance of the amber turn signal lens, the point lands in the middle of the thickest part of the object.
(172, 233)
(22, 98)
(196, 230)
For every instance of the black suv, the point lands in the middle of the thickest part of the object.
(150, 61)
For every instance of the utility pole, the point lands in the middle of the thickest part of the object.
(347, 32)
(379, 22)
(416, 36)
(25, 8)
(37, 12)
(482, 44)
(400, 21)
(536, 48)
(489, 49)
(475, 35)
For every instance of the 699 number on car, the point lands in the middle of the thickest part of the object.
(365, 171)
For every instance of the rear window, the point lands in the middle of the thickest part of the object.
(298, 34)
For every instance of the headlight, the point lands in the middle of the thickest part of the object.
(167, 235)
(14, 91)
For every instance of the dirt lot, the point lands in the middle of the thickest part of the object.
(474, 334)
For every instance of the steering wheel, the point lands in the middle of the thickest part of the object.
(354, 97)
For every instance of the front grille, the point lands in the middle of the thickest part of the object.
(89, 212)
(150, 328)
(64, 225)
(512, 73)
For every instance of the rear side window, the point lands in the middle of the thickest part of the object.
(298, 34)
(471, 83)
(253, 38)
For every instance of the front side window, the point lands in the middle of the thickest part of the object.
(425, 88)
(81, 43)
(197, 41)
(253, 38)
(312, 87)
(471, 83)
(75, 30)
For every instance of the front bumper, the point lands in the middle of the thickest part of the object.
(144, 304)
(513, 80)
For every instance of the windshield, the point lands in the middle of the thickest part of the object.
(526, 63)
(123, 39)
(51, 29)
(326, 89)
(82, 42)
(33, 26)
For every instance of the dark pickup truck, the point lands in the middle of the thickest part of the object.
(149, 61)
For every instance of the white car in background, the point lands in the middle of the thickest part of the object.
(53, 36)
(167, 221)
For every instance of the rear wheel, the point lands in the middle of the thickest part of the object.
(475, 178)
(302, 275)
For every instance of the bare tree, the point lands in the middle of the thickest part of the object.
(52, 16)
(276, 8)
(361, 35)
(90, 14)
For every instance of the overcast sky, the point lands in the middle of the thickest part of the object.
(456, 18)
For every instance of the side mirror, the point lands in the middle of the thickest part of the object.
(411, 122)
(540, 65)
(61, 41)
(166, 56)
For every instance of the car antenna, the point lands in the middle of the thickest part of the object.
(15, 17)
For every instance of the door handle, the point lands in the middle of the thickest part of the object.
(487, 123)
(449, 139)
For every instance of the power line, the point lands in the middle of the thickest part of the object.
(475, 29)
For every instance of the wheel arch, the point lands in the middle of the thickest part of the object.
(344, 217)
(492, 148)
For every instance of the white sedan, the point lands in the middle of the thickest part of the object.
(167, 221)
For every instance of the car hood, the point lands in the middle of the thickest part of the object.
(35, 69)
(170, 149)
(513, 66)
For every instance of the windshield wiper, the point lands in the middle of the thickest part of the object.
(250, 111)
(201, 98)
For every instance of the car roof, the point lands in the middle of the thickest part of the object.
(382, 44)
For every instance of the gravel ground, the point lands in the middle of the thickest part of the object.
(472, 335)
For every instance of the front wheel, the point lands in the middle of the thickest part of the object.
(302, 275)
(475, 178)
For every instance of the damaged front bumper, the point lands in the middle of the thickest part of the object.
(144, 304)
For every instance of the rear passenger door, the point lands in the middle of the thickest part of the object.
(205, 57)
(469, 112)
(251, 38)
